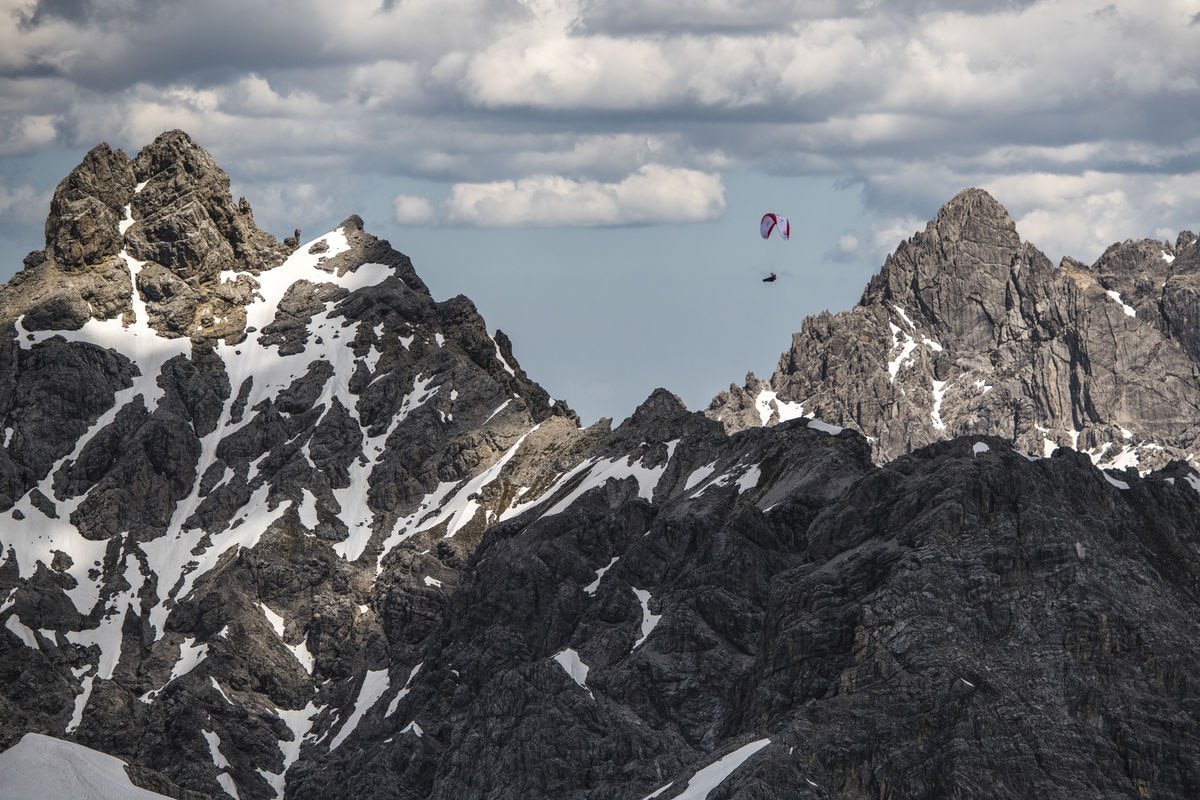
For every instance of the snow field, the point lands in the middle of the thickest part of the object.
(705, 780)
(40, 766)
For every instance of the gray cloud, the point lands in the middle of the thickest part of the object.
(914, 98)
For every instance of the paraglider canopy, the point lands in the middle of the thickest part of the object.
(774, 222)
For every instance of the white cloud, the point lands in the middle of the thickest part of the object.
(888, 233)
(287, 200)
(653, 194)
(1080, 215)
(412, 210)
(26, 133)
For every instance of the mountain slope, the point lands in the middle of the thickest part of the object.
(279, 524)
(212, 470)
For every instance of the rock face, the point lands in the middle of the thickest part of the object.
(276, 523)
(968, 331)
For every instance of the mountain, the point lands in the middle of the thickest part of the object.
(969, 331)
(279, 524)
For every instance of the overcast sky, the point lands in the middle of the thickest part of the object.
(591, 172)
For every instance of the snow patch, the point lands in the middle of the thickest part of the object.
(299, 722)
(699, 475)
(22, 631)
(712, 776)
(768, 403)
(745, 477)
(1129, 310)
(308, 509)
(451, 502)
(220, 691)
(500, 408)
(600, 471)
(569, 660)
(45, 767)
(1114, 481)
(649, 620)
(190, 655)
(825, 427)
(400, 695)
(228, 784)
(939, 392)
(594, 585)
(374, 684)
(214, 749)
(299, 651)
(906, 348)
(503, 363)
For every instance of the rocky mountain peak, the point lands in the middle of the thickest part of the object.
(165, 220)
(957, 271)
(968, 330)
(83, 227)
(185, 219)
(974, 218)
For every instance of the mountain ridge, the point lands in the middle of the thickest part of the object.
(279, 524)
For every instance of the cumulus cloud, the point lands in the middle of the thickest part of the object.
(654, 194)
(411, 210)
(847, 248)
(1080, 215)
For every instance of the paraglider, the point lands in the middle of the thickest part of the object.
(774, 222)
(777, 224)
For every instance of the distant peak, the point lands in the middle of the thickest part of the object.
(973, 215)
(352, 223)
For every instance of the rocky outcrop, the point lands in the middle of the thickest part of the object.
(969, 331)
(185, 219)
(166, 212)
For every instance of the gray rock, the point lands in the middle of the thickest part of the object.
(82, 228)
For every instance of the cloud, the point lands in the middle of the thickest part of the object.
(548, 112)
(23, 204)
(288, 200)
(847, 249)
(1080, 215)
(412, 210)
(654, 194)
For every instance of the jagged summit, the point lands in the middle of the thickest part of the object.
(968, 330)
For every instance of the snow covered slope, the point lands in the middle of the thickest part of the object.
(52, 769)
